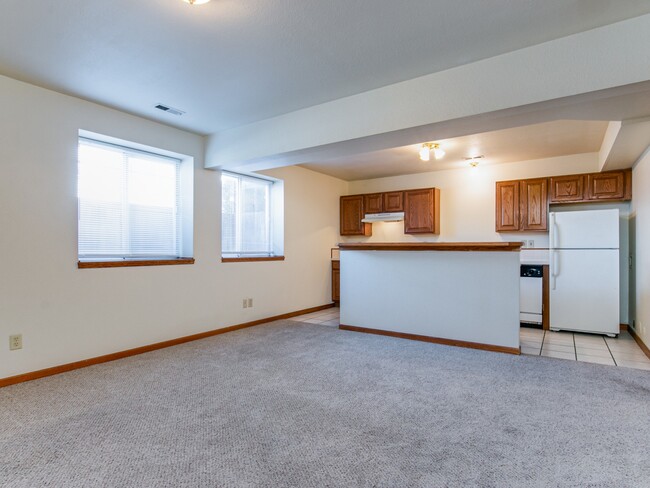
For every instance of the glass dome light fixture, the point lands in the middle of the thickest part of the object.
(196, 2)
(427, 147)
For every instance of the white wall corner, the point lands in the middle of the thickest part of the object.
(613, 129)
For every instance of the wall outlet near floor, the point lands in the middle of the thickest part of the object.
(15, 342)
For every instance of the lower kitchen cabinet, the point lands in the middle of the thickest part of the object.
(336, 281)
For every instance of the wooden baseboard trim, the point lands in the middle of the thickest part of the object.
(435, 340)
(638, 340)
(21, 378)
(623, 327)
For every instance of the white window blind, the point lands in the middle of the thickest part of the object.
(128, 203)
(246, 216)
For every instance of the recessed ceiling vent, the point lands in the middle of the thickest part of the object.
(169, 110)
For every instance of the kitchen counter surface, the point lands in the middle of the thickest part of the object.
(431, 246)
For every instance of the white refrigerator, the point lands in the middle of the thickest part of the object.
(584, 265)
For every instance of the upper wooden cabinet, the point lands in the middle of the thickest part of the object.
(534, 204)
(522, 205)
(422, 211)
(566, 189)
(613, 185)
(373, 203)
(508, 206)
(351, 212)
(608, 186)
(394, 201)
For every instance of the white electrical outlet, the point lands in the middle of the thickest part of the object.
(531, 243)
(250, 302)
(244, 303)
(15, 342)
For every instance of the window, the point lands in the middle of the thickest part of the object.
(129, 204)
(249, 223)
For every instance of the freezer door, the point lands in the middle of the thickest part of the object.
(590, 229)
(585, 290)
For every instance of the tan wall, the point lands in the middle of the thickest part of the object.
(66, 314)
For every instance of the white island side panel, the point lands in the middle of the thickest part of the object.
(465, 296)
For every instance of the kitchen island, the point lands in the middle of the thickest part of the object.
(463, 294)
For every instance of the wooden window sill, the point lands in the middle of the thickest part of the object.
(125, 264)
(252, 260)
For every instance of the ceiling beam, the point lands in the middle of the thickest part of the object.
(523, 85)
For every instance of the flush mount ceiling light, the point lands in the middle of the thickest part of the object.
(473, 161)
(427, 147)
(196, 2)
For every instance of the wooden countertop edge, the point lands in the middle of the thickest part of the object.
(431, 246)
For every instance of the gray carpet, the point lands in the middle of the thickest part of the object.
(298, 405)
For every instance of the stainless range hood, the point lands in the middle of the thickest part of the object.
(384, 217)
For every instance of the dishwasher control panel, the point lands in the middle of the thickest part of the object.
(531, 271)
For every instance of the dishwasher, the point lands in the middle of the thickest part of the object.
(530, 295)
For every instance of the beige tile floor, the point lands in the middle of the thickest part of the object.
(622, 351)
(329, 316)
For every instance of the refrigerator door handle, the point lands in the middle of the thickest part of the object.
(555, 232)
(555, 266)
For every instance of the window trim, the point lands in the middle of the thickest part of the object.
(185, 205)
(271, 255)
(252, 259)
(126, 263)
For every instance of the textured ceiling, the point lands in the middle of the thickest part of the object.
(547, 140)
(232, 62)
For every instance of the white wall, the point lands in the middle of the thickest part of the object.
(66, 314)
(639, 239)
(428, 293)
(468, 200)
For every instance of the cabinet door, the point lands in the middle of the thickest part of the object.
(606, 186)
(394, 201)
(336, 281)
(422, 211)
(351, 213)
(534, 204)
(373, 203)
(567, 188)
(507, 206)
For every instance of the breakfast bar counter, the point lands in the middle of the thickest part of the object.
(458, 293)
